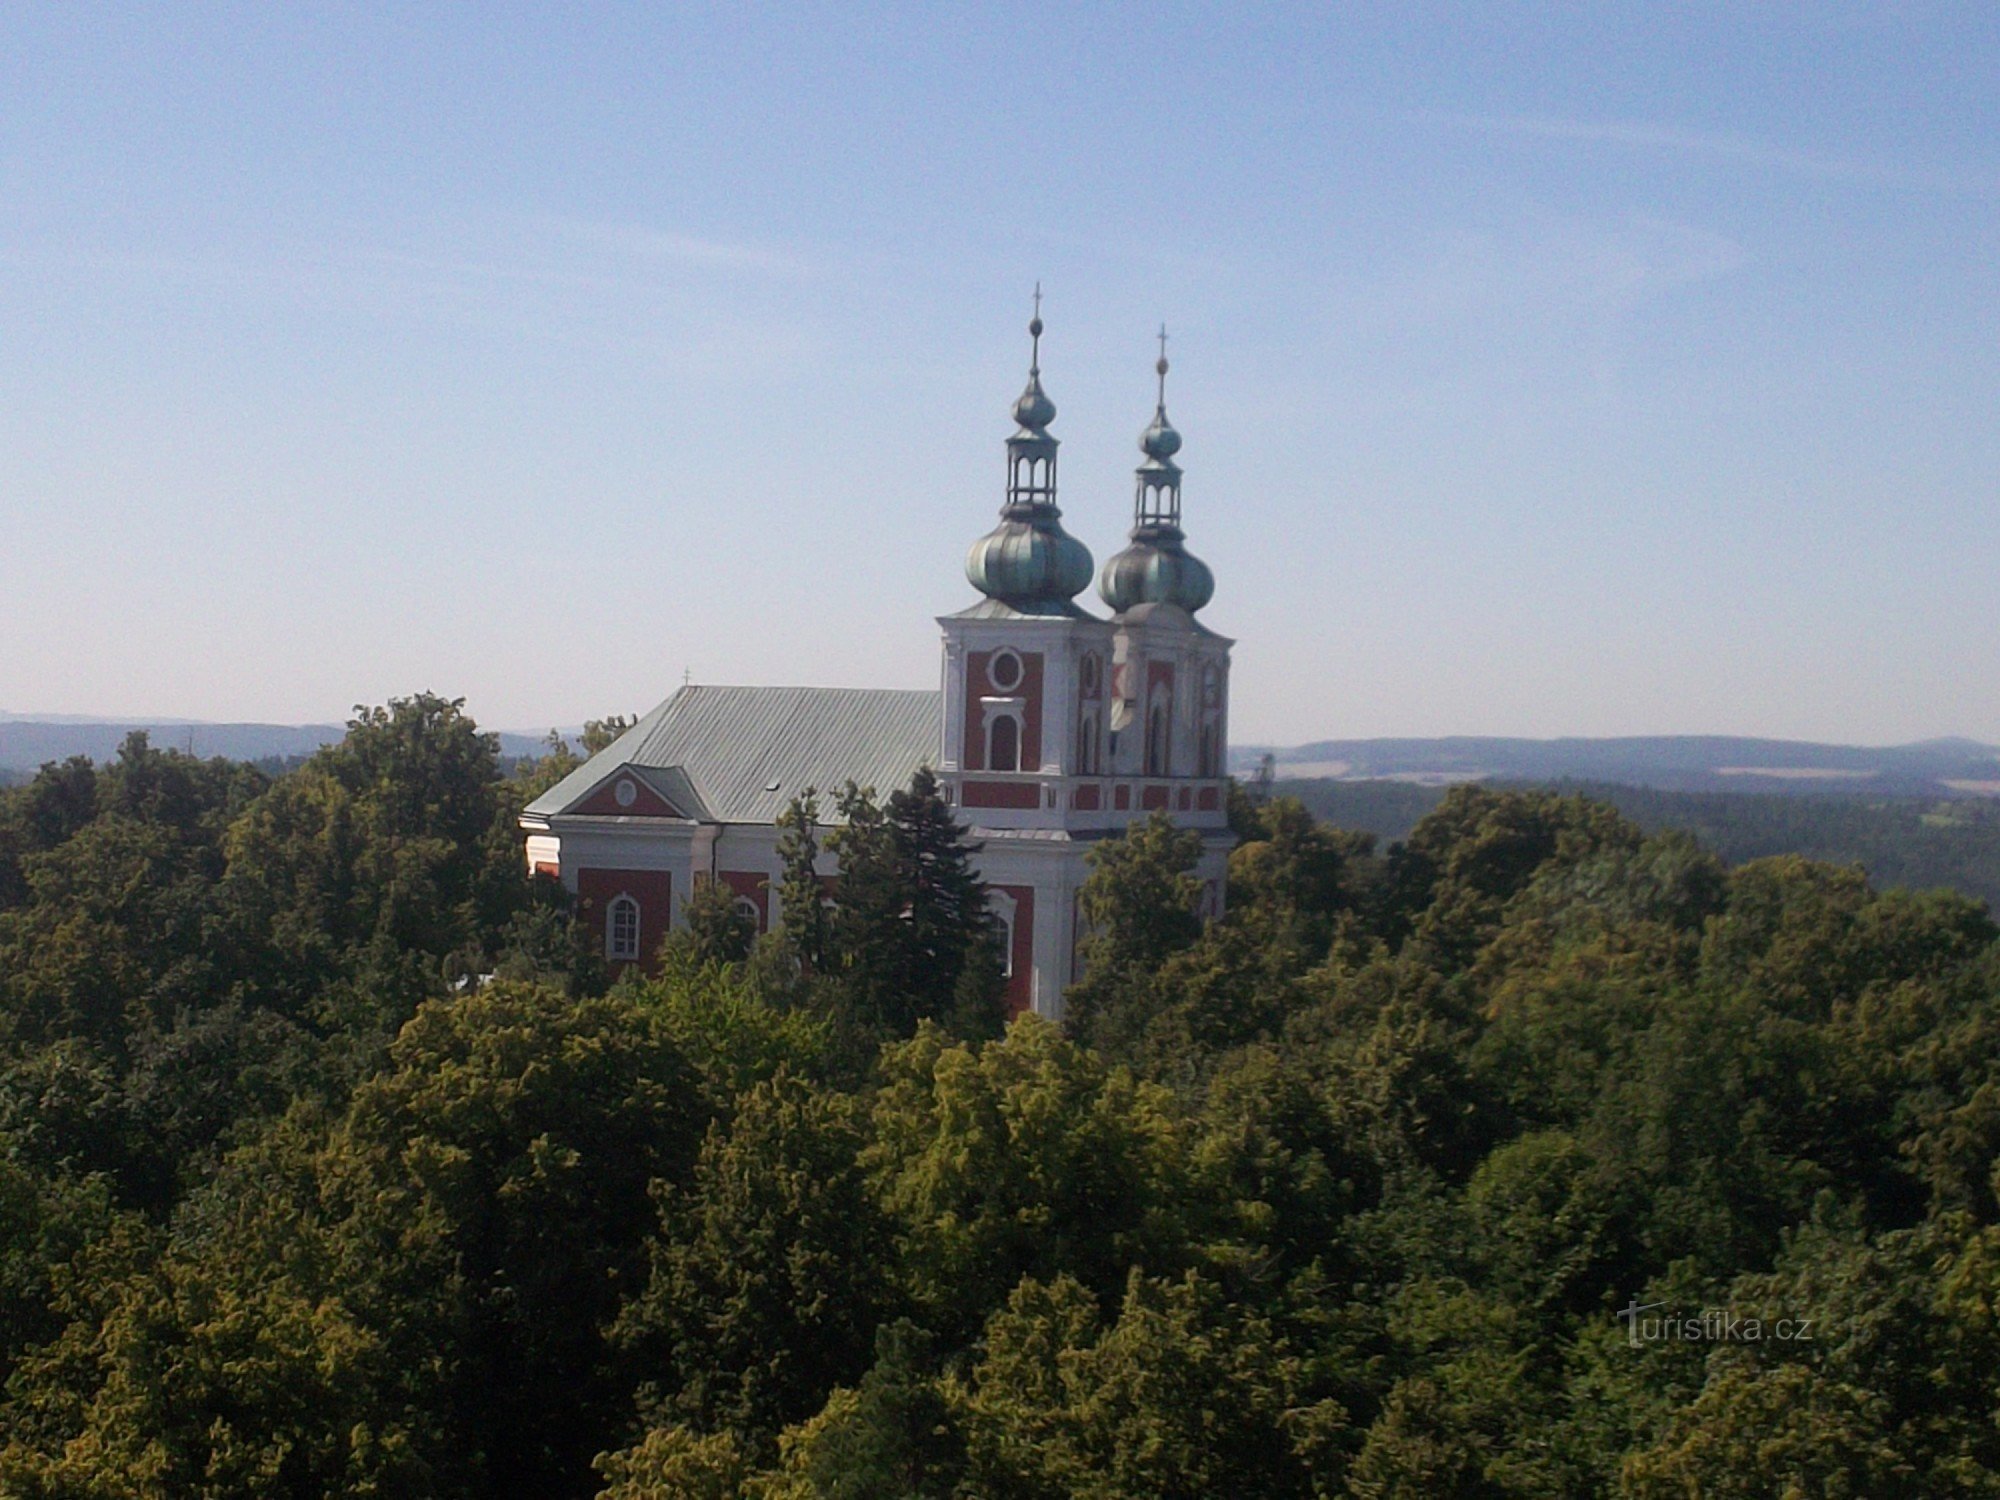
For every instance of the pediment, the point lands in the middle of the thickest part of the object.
(629, 792)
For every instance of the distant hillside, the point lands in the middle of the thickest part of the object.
(26, 744)
(1687, 763)
(1916, 842)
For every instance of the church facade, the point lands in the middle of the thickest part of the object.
(1054, 727)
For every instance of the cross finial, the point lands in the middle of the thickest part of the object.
(1035, 333)
(687, 676)
(1162, 367)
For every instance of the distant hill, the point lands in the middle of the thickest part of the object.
(26, 743)
(1688, 763)
(1916, 842)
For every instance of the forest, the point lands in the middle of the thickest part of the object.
(1916, 841)
(1533, 1154)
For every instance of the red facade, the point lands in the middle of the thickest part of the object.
(652, 889)
(979, 684)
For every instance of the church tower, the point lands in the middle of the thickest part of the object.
(1170, 674)
(1060, 727)
(1022, 663)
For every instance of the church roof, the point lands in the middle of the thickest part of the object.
(745, 752)
(1041, 609)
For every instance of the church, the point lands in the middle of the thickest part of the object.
(1053, 727)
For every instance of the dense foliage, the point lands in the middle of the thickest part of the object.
(1916, 841)
(329, 1163)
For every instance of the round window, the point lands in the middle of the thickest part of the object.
(626, 793)
(1004, 672)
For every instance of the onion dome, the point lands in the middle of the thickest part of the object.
(1156, 567)
(1028, 561)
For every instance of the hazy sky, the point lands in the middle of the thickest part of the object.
(1543, 370)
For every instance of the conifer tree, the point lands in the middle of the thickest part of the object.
(913, 933)
(953, 947)
(801, 901)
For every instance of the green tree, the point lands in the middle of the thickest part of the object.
(676, 1463)
(489, 1197)
(802, 903)
(1181, 1395)
(599, 733)
(1023, 1157)
(1140, 906)
(767, 1279)
(176, 1378)
(390, 857)
(893, 1434)
(1477, 849)
(716, 930)
(913, 933)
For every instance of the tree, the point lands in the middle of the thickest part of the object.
(893, 1434)
(182, 1377)
(1787, 1432)
(1181, 1395)
(1141, 901)
(1140, 906)
(489, 1197)
(717, 930)
(912, 930)
(953, 942)
(1477, 849)
(676, 1463)
(1023, 1157)
(766, 1279)
(50, 809)
(802, 900)
(391, 855)
(599, 733)
(47, 1222)
(1291, 870)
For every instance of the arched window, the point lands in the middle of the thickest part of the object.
(1086, 746)
(1090, 675)
(1208, 765)
(1003, 743)
(745, 907)
(1004, 907)
(621, 929)
(1158, 761)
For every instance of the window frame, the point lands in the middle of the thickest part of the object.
(1012, 719)
(619, 946)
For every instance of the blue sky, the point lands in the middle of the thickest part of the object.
(1543, 370)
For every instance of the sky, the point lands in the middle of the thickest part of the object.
(1543, 370)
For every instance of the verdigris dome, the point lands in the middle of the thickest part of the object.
(1028, 561)
(1025, 562)
(1033, 409)
(1156, 569)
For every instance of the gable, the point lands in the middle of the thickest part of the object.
(627, 792)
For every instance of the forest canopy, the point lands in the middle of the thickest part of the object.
(1534, 1154)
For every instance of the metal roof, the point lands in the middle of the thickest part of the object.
(745, 752)
(1041, 609)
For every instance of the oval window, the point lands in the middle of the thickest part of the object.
(1004, 671)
